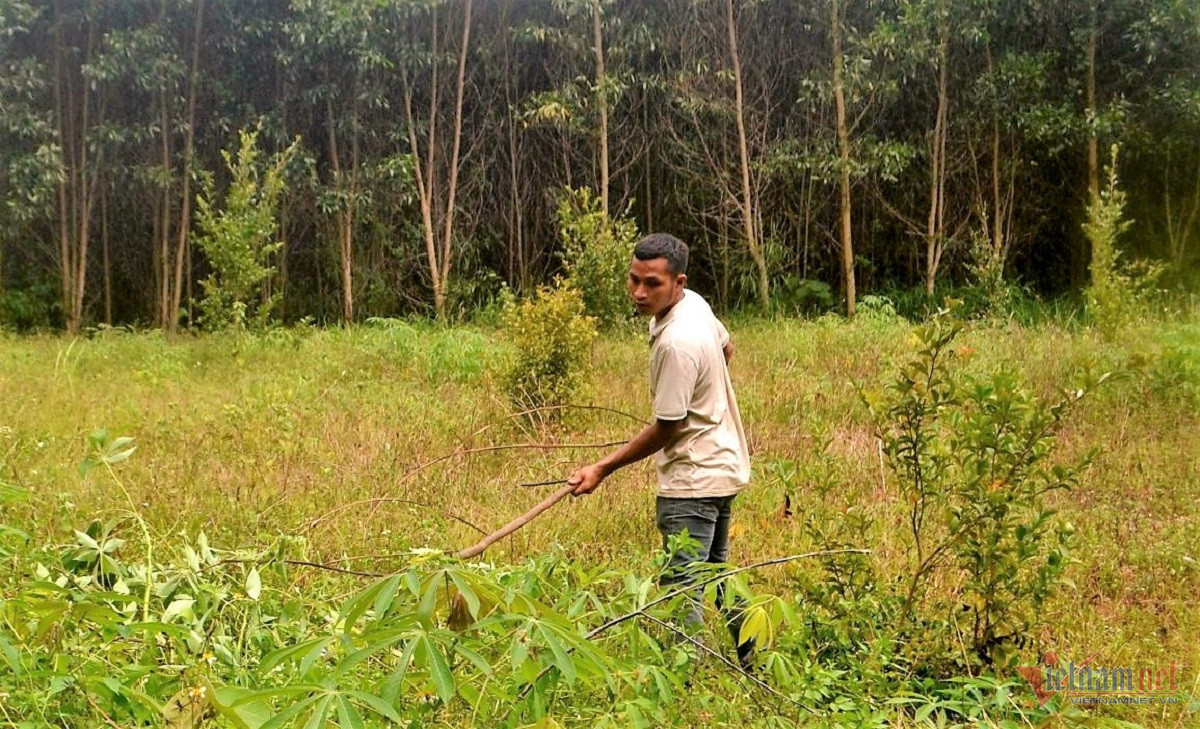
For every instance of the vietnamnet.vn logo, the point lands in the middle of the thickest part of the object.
(1093, 684)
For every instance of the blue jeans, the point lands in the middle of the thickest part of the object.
(707, 521)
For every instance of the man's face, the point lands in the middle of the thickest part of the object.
(652, 285)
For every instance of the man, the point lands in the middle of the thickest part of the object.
(702, 457)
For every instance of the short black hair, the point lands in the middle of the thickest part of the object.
(663, 245)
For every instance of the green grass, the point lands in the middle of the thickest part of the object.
(307, 433)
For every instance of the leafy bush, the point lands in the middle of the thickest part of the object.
(877, 309)
(803, 296)
(29, 308)
(240, 236)
(553, 338)
(596, 252)
(972, 460)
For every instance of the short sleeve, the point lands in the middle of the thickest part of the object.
(675, 380)
(722, 334)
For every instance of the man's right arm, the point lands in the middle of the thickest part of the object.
(651, 440)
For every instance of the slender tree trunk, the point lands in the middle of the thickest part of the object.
(747, 199)
(843, 137)
(67, 141)
(601, 100)
(106, 259)
(935, 225)
(425, 201)
(84, 206)
(1179, 227)
(75, 189)
(164, 234)
(518, 269)
(649, 180)
(1093, 143)
(182, 246)
(452, 192)
(344, 217)
(350, 211)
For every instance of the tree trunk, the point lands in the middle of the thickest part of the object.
(518, 268)
(1180, 227)
(75, 189)
(106, 260)
(349, 213)
(185, 201)
(164, 234)
(649, 179)
(424, 198)
(67, 141)
(344, 218)
(935, 231)
(1093, 143)
(747, 199)
(452, 192)
(601, 100)
(843, 137)
(84, 206)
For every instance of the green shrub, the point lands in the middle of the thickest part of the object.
(596, 253)
(879, 309)
(802, 296)
(972, 461)
(1118, 292)
(239, 235)
(30, 308)
(553, 336)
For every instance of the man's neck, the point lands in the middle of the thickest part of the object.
(663, 314)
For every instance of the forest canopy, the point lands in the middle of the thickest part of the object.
(809, 152)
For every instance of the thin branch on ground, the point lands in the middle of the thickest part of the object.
(303, 563)
(392, 499)
(107, 719)
(717, 578)
(454, 454)
(695, 586)
(506, 447)
(728, 663)
(599, 408)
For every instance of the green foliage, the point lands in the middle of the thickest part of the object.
(239, 234)
(553, 337)
(877, 309)
(596, 252)
(989, 293)
(1117, 293)
(29, 308)
(973, 460)
(802, 296)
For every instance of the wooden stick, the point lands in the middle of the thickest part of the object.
(517, 523)
(555, 482)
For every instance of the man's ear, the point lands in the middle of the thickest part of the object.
(681, 279)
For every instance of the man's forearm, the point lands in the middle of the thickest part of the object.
(646, 443)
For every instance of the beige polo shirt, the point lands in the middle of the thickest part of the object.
(689, 380)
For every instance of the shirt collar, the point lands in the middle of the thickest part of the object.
(658, 325)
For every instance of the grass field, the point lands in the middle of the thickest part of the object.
(326, 436)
